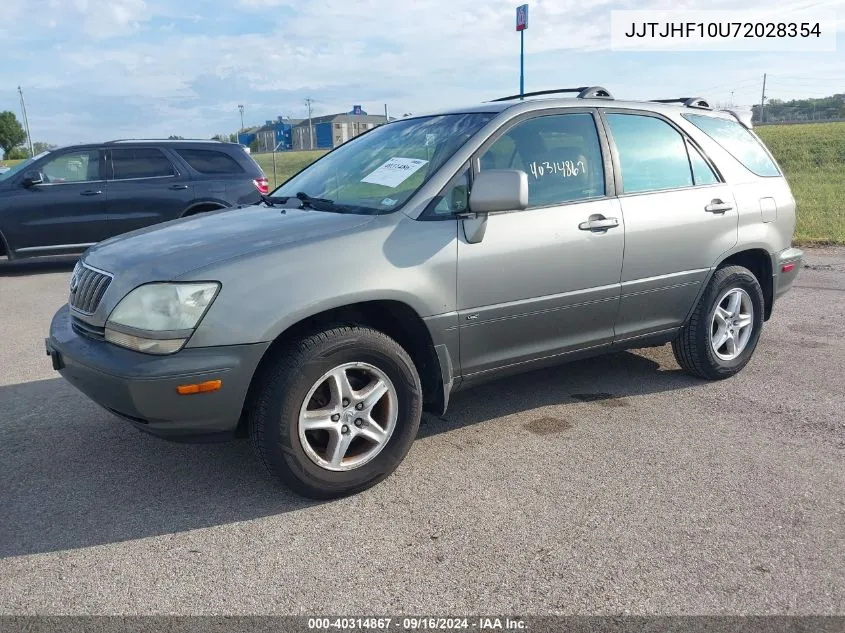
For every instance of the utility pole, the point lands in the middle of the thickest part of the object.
(310, 128)
(763, 99)
(732, 98)
(241, 110)
(26, 123)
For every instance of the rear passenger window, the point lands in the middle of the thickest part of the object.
(652, 154)
(738, 141)
(560, 153)
(207, 161)
(141, 162)
(702, 174)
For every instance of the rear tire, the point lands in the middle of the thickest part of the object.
(722, 333)
(300, 389)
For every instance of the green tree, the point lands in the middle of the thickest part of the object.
(41, 146)
(17, 153)
(173, 137)
(11, 132)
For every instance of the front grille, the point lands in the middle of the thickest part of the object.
(86, 329)
(87, 288)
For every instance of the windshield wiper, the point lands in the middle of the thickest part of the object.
(305, 202)
(319, 204)
(272, 201)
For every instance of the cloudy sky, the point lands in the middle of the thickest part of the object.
(99, 69)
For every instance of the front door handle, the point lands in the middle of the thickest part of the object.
(178, 186)
(92, 192)
(598, 223)
(717, 206)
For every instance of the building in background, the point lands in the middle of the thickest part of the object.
(332, 130)
(278, 134)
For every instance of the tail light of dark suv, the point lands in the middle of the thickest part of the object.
(262, 184)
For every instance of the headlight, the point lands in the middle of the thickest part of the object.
(158, 318)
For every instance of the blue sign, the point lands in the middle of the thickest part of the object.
(522, 17)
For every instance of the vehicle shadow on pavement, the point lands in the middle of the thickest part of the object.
(75, 476)
(605, 380)
(33, 266)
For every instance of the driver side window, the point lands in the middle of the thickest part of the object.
(560, 153)
(77, 166)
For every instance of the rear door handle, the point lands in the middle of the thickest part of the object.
(598, 223)
(178, 186)
(92, 192)
(717, 206)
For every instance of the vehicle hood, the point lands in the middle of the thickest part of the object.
(172, 249)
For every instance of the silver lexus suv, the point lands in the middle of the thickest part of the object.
(426, 256)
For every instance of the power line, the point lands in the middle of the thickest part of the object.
(812, 78)
(729, 84)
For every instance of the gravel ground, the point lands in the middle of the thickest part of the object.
(611, 485)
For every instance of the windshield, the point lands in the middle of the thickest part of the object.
(379, 171)
(22, 166)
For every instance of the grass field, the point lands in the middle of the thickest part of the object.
(813, 158)
(812, 155)
(287, 164)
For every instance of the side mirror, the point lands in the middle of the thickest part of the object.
(494, 190)
(32, 178)
(499, 190)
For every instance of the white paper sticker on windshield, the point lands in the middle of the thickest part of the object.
(394, 172)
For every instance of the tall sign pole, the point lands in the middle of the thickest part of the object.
(26, 122)
(521, 25)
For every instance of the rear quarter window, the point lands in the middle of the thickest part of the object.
(738, 141)
(207, 161)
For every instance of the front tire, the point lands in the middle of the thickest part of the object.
(337, 412)
(722, 333)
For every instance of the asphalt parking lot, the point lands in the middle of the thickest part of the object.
(606, 486)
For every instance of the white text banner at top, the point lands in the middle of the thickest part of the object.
(715, 30)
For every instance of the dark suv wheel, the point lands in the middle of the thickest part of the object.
(336, 413)
(720, 337)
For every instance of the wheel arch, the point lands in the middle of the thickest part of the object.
(394, 318)
(757, 259)
(4, 247)
(201, 206)
(759, 262)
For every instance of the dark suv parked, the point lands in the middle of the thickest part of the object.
(65, 200)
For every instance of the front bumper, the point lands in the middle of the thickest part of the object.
(141, 388)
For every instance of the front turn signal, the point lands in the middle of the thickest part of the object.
(201, 387)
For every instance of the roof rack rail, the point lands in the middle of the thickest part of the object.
(584, 92)
(689, 102)
(163, 140)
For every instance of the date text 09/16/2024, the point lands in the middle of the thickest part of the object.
(417, 624)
